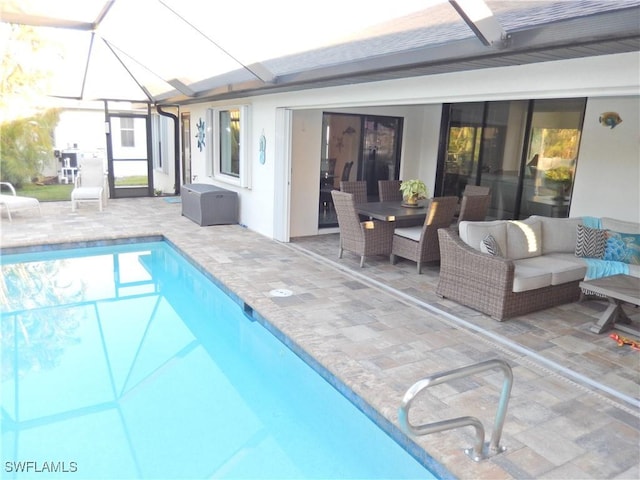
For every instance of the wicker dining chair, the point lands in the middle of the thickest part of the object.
(389, 190)
(358, 188)
(474, 207)
(476, 190)
(472, 190)
(372, 237)
(420, 244)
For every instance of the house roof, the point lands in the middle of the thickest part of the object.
(185, 51)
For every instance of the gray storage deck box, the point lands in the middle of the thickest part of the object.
(209, 205)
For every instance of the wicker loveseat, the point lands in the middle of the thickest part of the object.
(535, 266)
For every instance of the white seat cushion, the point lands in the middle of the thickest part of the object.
(567, 257)
(529, 278)
(562, 271)
(412, 233)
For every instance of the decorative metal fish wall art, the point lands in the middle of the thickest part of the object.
(610, 119)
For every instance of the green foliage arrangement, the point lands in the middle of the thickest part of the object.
(559, 174)
(413, 190)
(24, 144)
(26, 130)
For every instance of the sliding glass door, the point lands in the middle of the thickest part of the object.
(514, 147)
(357, 147)
(380, 153)
(552, 150)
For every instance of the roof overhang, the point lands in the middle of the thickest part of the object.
(614, 32)
(457, 35)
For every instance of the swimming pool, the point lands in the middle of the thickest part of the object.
(127, 362)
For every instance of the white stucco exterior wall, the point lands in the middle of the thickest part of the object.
(607, 80)
(607, 180)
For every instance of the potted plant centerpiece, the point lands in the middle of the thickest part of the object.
(559, 178)
(413, 190)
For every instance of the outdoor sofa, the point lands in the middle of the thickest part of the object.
(509, 268)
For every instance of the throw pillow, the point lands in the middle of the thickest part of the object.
(622, 247)
(590, 242)
(491, 246)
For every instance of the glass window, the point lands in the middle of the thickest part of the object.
(525, 151)
(228, 148)
(554, 138)
(162, 143)
(127, 132)
(230, 142)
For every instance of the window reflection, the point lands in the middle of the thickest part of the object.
(524, 151)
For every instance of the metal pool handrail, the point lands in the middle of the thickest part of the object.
(477, 452)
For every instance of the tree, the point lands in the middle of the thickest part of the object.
(26, 137)
(25, 144)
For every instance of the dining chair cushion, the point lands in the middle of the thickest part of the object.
(412, 233)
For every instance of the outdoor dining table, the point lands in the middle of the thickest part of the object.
(393, 211)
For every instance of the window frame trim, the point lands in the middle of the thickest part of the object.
(213, 152)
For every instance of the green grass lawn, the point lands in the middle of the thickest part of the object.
(46, 193)
(131, 180)
(60, 192)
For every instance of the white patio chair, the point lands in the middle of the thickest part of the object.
(14, 202)
(90, 184)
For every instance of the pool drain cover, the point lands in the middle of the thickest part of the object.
(280, 292)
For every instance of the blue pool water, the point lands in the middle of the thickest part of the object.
(126, 362)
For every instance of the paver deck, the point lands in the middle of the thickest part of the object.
(575, 405)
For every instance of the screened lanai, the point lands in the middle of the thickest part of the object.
(170, 51)
(169, 57)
